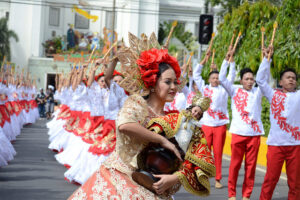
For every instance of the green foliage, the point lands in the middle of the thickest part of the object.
(265, 115)
(249, 18)
(53, 46)
(186, 37)
(5, 35)
(229, 5)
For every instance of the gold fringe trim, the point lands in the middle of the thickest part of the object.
(210, 169)
(187, 186)
(166, 126)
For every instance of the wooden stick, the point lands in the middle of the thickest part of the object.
(211, 41)
(262, 41)
(213, 56)
(190, 58)
(236, 42)
(92, 53)
(109, 50)
(231, 42)
(273, 36)
(174, 24)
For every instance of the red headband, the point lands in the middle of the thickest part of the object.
(98, 76)
(149, 61)
(116, 73)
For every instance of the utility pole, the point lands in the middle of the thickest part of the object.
(113, 26)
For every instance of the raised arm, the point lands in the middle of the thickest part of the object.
(223, 80)
(110, 70)
(262, 79)
(197, 73)
(232, 73)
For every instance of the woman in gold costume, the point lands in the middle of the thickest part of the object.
(152, 77)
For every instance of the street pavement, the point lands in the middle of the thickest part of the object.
(34, 174)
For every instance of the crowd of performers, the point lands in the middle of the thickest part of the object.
(17, 108)
(101, 156)
(83, 128)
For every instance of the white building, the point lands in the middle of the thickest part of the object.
(39, 20)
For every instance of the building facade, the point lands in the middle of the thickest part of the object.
(40, 20)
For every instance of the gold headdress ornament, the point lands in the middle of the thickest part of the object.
(201, 101)
(128, 57)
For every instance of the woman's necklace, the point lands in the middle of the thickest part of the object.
(153, 111)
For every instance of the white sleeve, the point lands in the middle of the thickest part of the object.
(262, 77)
(180, 103)
(118, 92)
(185, 91)
(198, 78)
(224, 81)
(232, 73)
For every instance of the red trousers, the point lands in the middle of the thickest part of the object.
(241, 146)
(275, 157)
(215, 137)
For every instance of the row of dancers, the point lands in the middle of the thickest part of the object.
(83, 129)
(17, 108)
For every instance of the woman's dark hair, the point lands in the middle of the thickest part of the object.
(287, 70)
(244, 71)
(162, 67)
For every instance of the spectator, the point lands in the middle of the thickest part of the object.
(41, 100)
(50, 101)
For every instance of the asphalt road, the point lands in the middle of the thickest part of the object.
(34, 174)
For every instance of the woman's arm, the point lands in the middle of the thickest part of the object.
(110, 71)
(135, 130)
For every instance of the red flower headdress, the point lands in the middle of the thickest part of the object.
(140, 64)
(148, 64)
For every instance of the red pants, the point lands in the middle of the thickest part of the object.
(240, 146)
(215, 137)
(275, 157)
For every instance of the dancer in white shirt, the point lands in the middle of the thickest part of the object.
(246, 128)
(216, 117)
(284, 137)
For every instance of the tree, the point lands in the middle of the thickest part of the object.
(249, 18)
(229, 5)
(5, 35)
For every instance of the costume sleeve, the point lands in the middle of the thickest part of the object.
(185, 91)
(180, 102)
(262, 77)
(232, 73)
(198, 78)
(197, 167)
(134, 110)
(190, 84)
(224, 81)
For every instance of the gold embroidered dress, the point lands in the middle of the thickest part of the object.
(113, 179)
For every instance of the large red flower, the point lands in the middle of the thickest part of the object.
(149, 61)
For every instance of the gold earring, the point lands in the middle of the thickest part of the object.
(152, 90)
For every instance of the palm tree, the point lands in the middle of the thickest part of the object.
(5, 35)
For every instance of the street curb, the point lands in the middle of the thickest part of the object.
(262, 154)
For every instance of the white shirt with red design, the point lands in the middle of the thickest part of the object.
(284, 111)
(179, 103)
(245, 106)
(217, 113)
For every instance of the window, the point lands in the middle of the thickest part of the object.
(81, 22)
(54, 16)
